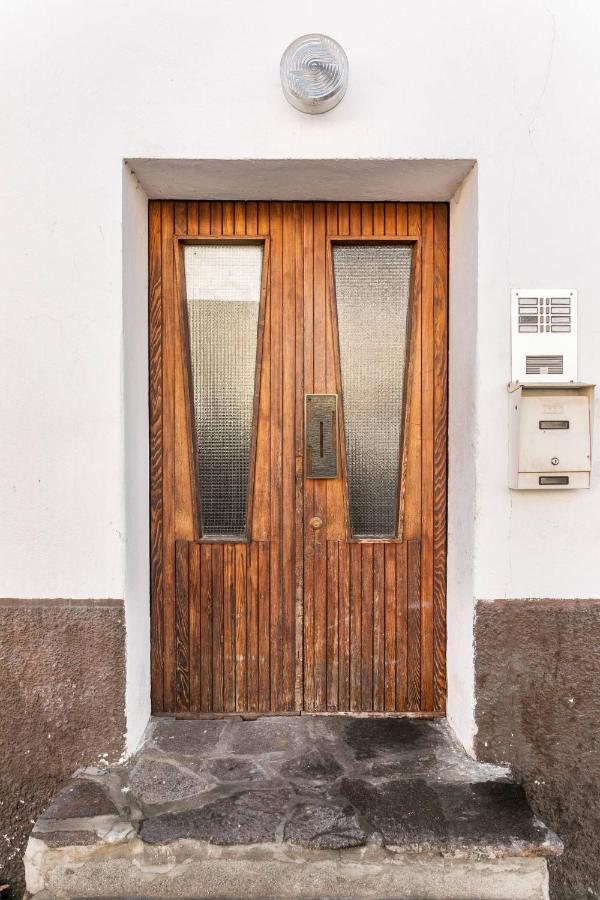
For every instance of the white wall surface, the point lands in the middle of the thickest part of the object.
(135, 423)
(513, 85)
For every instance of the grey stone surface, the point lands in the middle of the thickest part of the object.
(271, 734)
(307, 792)
(249, 817)
(193, 738)
(481, 819)
(369, 738)
(314, 765)
(155, 781)
(80, 800)
(233, 769)
(324, 827)
(67, 838)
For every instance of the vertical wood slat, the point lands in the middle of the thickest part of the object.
(333, 640)
(413, 595)
(195, 620)
(155, 314)
(390, 627)
(406, 631)
(412, 499)
(240, 638)
(184, 500)
(309, 485)
(379, 632)
(344, 625)
(264, 629)
(366, 648)
(168, 454)
(355, 627)
(276, 290)
(182, 695)
(229, 628)
(427, 457)
(320, 487)
(299, 464)
(218, 649)
(206, 629)
(440, 420)
(252, 627)
(288, 459)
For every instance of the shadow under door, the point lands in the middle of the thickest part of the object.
(298, 428)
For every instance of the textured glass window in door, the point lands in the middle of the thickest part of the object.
(223, 296)
(372, 288)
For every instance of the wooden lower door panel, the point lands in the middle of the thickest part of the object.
(223, 627)
(365, 638)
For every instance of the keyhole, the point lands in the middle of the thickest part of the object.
(321, 439)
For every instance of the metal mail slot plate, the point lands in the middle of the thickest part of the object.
(556, 424)
(321, 436)
(553, 479)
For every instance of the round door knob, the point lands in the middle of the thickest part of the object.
(315, 523)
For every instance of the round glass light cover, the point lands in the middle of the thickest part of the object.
(314, 73)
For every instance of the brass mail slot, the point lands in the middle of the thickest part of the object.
(553, 479)
(321, 435)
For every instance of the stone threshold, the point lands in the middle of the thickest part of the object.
(295, 806)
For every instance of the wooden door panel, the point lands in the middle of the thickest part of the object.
(368, 586)
(223, 640)
(297, 619)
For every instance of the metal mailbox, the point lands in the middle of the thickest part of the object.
(550, 439)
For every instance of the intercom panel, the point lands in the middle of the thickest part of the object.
(544, 336)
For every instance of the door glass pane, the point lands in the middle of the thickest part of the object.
(222, 297)
(372, 287)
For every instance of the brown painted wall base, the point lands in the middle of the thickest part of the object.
(537, 671)
(62, 705)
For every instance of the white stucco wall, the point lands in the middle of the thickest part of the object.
(513, 85)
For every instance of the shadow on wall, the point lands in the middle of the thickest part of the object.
(63, 706)
(538, 709)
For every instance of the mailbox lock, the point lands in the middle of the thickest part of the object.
(555, 460)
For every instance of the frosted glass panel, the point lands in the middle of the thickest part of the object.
(372, 287)
(223, 296)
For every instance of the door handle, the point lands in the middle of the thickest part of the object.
(321, 435)
(316, 522)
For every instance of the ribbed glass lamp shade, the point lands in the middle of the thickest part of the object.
(314, 73)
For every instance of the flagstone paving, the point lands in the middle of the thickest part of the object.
(305, 784)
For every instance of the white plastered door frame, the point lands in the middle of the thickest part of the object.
(453, 180)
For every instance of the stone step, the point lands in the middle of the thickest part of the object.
(305, 806)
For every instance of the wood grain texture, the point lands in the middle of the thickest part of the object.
(169, 339)
(182, 625)
(155, 454)
(372, 584)
(296, 618)
(440, 458)
(427, 457)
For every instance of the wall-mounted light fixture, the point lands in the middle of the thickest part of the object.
(314, 73)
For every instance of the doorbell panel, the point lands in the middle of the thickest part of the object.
(544, 336)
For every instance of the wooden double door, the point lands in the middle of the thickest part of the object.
(298, 429)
